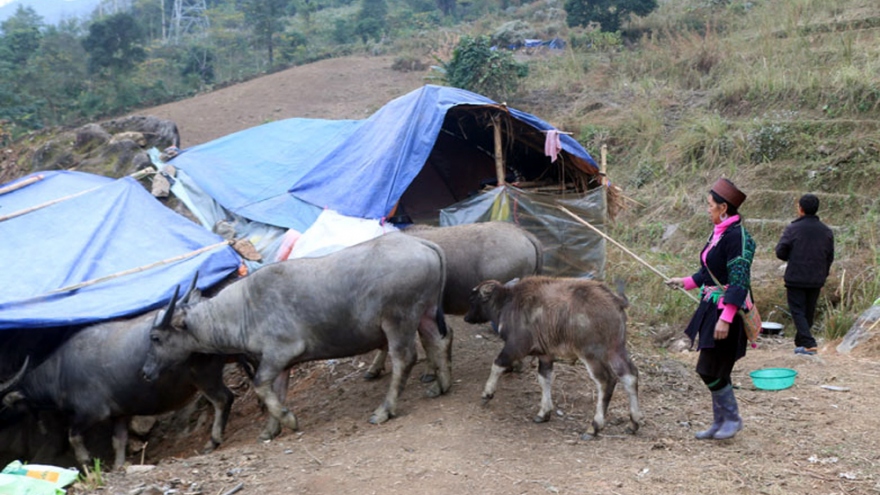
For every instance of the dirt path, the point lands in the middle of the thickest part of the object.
(339, 88)
(803, 440)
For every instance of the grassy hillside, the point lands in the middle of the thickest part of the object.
(782, 97)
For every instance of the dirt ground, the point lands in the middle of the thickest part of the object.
(804, 440)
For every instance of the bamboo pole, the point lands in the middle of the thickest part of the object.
(140, 268)
(19, 185)
(499, 150)
(621, 246)
(137, 176)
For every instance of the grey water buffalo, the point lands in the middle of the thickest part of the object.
(560, 318)
(96, 375)
(474, 253)
(382, 292)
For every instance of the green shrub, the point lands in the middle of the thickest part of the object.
(476, 67)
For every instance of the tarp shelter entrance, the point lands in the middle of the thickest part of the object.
(462, 161)
(429, 149)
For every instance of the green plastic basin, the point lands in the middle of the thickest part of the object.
(773, 378)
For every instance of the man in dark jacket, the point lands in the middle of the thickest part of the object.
(807, 245)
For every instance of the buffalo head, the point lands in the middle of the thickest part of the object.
(481, 302)
(169, 333)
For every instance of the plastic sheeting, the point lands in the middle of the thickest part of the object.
(570, 249)
(284, 173)
(101, 229)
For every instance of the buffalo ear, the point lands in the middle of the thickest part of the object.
(486, 289)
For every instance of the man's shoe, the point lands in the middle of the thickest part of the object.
(809, 351)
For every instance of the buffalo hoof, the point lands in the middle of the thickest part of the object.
(371, 375)
(428, 377)
(487, 398)
(433, 390)
(209, 447)
(380, 417)
(586, 437)
(632, 428)
(541, 418)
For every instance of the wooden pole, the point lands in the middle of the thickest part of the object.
(625, 250)
(137, 176)
(19, 185)
(140, 268)
(499, 150)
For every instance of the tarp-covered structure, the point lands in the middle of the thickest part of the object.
(427, 150)
(82, 248)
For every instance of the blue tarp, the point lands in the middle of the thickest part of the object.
(285, 172)
(113, 226)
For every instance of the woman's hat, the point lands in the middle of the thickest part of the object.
(729, 192)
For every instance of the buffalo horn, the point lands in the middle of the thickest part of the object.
(7, 385)
(192, 286)
(169, 311)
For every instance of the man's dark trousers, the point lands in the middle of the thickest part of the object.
(802, 303)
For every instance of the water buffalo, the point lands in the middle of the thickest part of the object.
(96, 375)
(378, 293)
(474, 253)
(560, 318)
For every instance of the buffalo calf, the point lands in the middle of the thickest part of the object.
(560, 318)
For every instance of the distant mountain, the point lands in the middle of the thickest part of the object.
(52, 11)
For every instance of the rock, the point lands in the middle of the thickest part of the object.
(161, 186)
(158, 133)
(142, 425)
(247, 250)
(865, 327)
(137, 137)
(89, 137)
(139, 469)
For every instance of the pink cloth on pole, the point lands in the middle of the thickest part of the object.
(552, 145)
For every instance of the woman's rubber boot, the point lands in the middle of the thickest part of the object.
(716, 423)
(732, 422)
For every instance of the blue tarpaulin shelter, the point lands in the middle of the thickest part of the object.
(283, 173)
(81, 248)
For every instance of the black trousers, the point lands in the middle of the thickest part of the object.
(802, 304)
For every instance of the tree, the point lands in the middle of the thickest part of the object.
(371, 21)
(608, 13)
(21, 35)
(476, 67)
(265, 19)
(62, 56)
(113, 43)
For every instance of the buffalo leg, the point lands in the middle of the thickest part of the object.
(502, 364)
(266, 375)
(402, 349)
(79, 446)
(120, 441)
(545, 378)
(279, 386)
(438, 352)
(378, 365)
(629, 376)
(221, 398)
(605, 382)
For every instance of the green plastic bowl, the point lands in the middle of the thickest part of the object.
(773, 378)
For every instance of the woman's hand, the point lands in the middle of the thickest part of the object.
(721, 329)
(675, 283)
